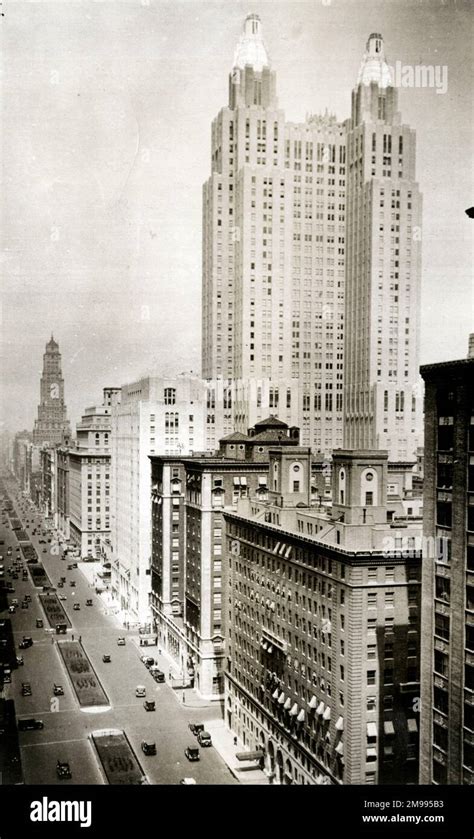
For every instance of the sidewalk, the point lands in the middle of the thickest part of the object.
(223, 742)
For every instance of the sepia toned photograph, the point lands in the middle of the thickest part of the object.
(237, 377)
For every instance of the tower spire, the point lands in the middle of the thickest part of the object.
(251, 50)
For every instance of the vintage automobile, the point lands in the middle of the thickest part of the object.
(204, 739)
(25, 643)
(58, 690)
(147, 660)
(63, 770)
(192, 753)
(77, 607)
(106, 658)
(30, 724)
(26, 689)
(89, 602)
(120, 642)
(149, 705)
(157, 674)
(19, 660)
(140, 691)
(196, 727)
(148, 747)
(39, 623)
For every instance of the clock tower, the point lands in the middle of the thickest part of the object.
(52, 425)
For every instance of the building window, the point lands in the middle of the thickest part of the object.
(170, 396)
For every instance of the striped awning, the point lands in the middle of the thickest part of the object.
(327, 714)
(281, 698)
(320, 708)
(287, 704)
(312, 702)
(340, 724)
(294, 710)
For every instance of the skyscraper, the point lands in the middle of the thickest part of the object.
(52, 425)
(273, 255)
(383, 405)
(447, 648)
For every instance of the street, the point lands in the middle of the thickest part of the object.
(67, 728)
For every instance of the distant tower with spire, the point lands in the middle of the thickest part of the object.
(52, 425)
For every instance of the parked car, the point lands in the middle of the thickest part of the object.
(204, 739)
(140, 691)
(19, 660)
(106, 659)
(62, 597)
(148, 747)
(120, 642)
(58, 690)
(26, 689)
(12, 609)
(63, 770)
(157, 674)
(196, 727)
(192, 753)
(25, 643)
(30, 724)
(149, 705)
(148, 661)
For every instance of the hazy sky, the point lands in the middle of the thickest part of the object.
(107, 108)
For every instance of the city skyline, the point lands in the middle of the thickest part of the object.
(110, 317)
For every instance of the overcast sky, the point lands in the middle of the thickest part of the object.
(107, 108)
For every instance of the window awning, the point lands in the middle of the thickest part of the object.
(388, 727)
(264, 645)
(294, 710)
(275, 693)
(270, 649)
(312, 702)
(300, 716)
(412, 725)
(287, 704)
(327, 714)
(256, 755)
(320, 708)
(340, 724)
(340, 748)
(372, 753)
(371, 729)
(281, 698)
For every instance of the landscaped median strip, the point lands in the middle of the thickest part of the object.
(86, 684)
(53, 610)
(119, 761)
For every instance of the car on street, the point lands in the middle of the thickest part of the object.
(196, 727)
(149, 705)
(204, 739)
(26, 689)
(62, 597)
(157, 674)
(148, 661)
(120, 642)
(148, 747)
(60, 584)
(58, 690)
(39, 623)
(25, 643)
(89, 602)
(12, 609)
(140, 691)
(63, 770)
(106, 659)
(192, 753)
(188, 781)
(44, 550)
(30, 724)
(72, 583)
(76, 607)
(27, 597)
(19, 660)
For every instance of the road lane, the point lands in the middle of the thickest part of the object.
(67, 727)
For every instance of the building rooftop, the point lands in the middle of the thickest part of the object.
(374, 67)
(251, 50)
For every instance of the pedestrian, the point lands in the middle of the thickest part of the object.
(169, 675)
(80, 638)
(73, 637)
(52, 640)
(184, 698)
(235, 741)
